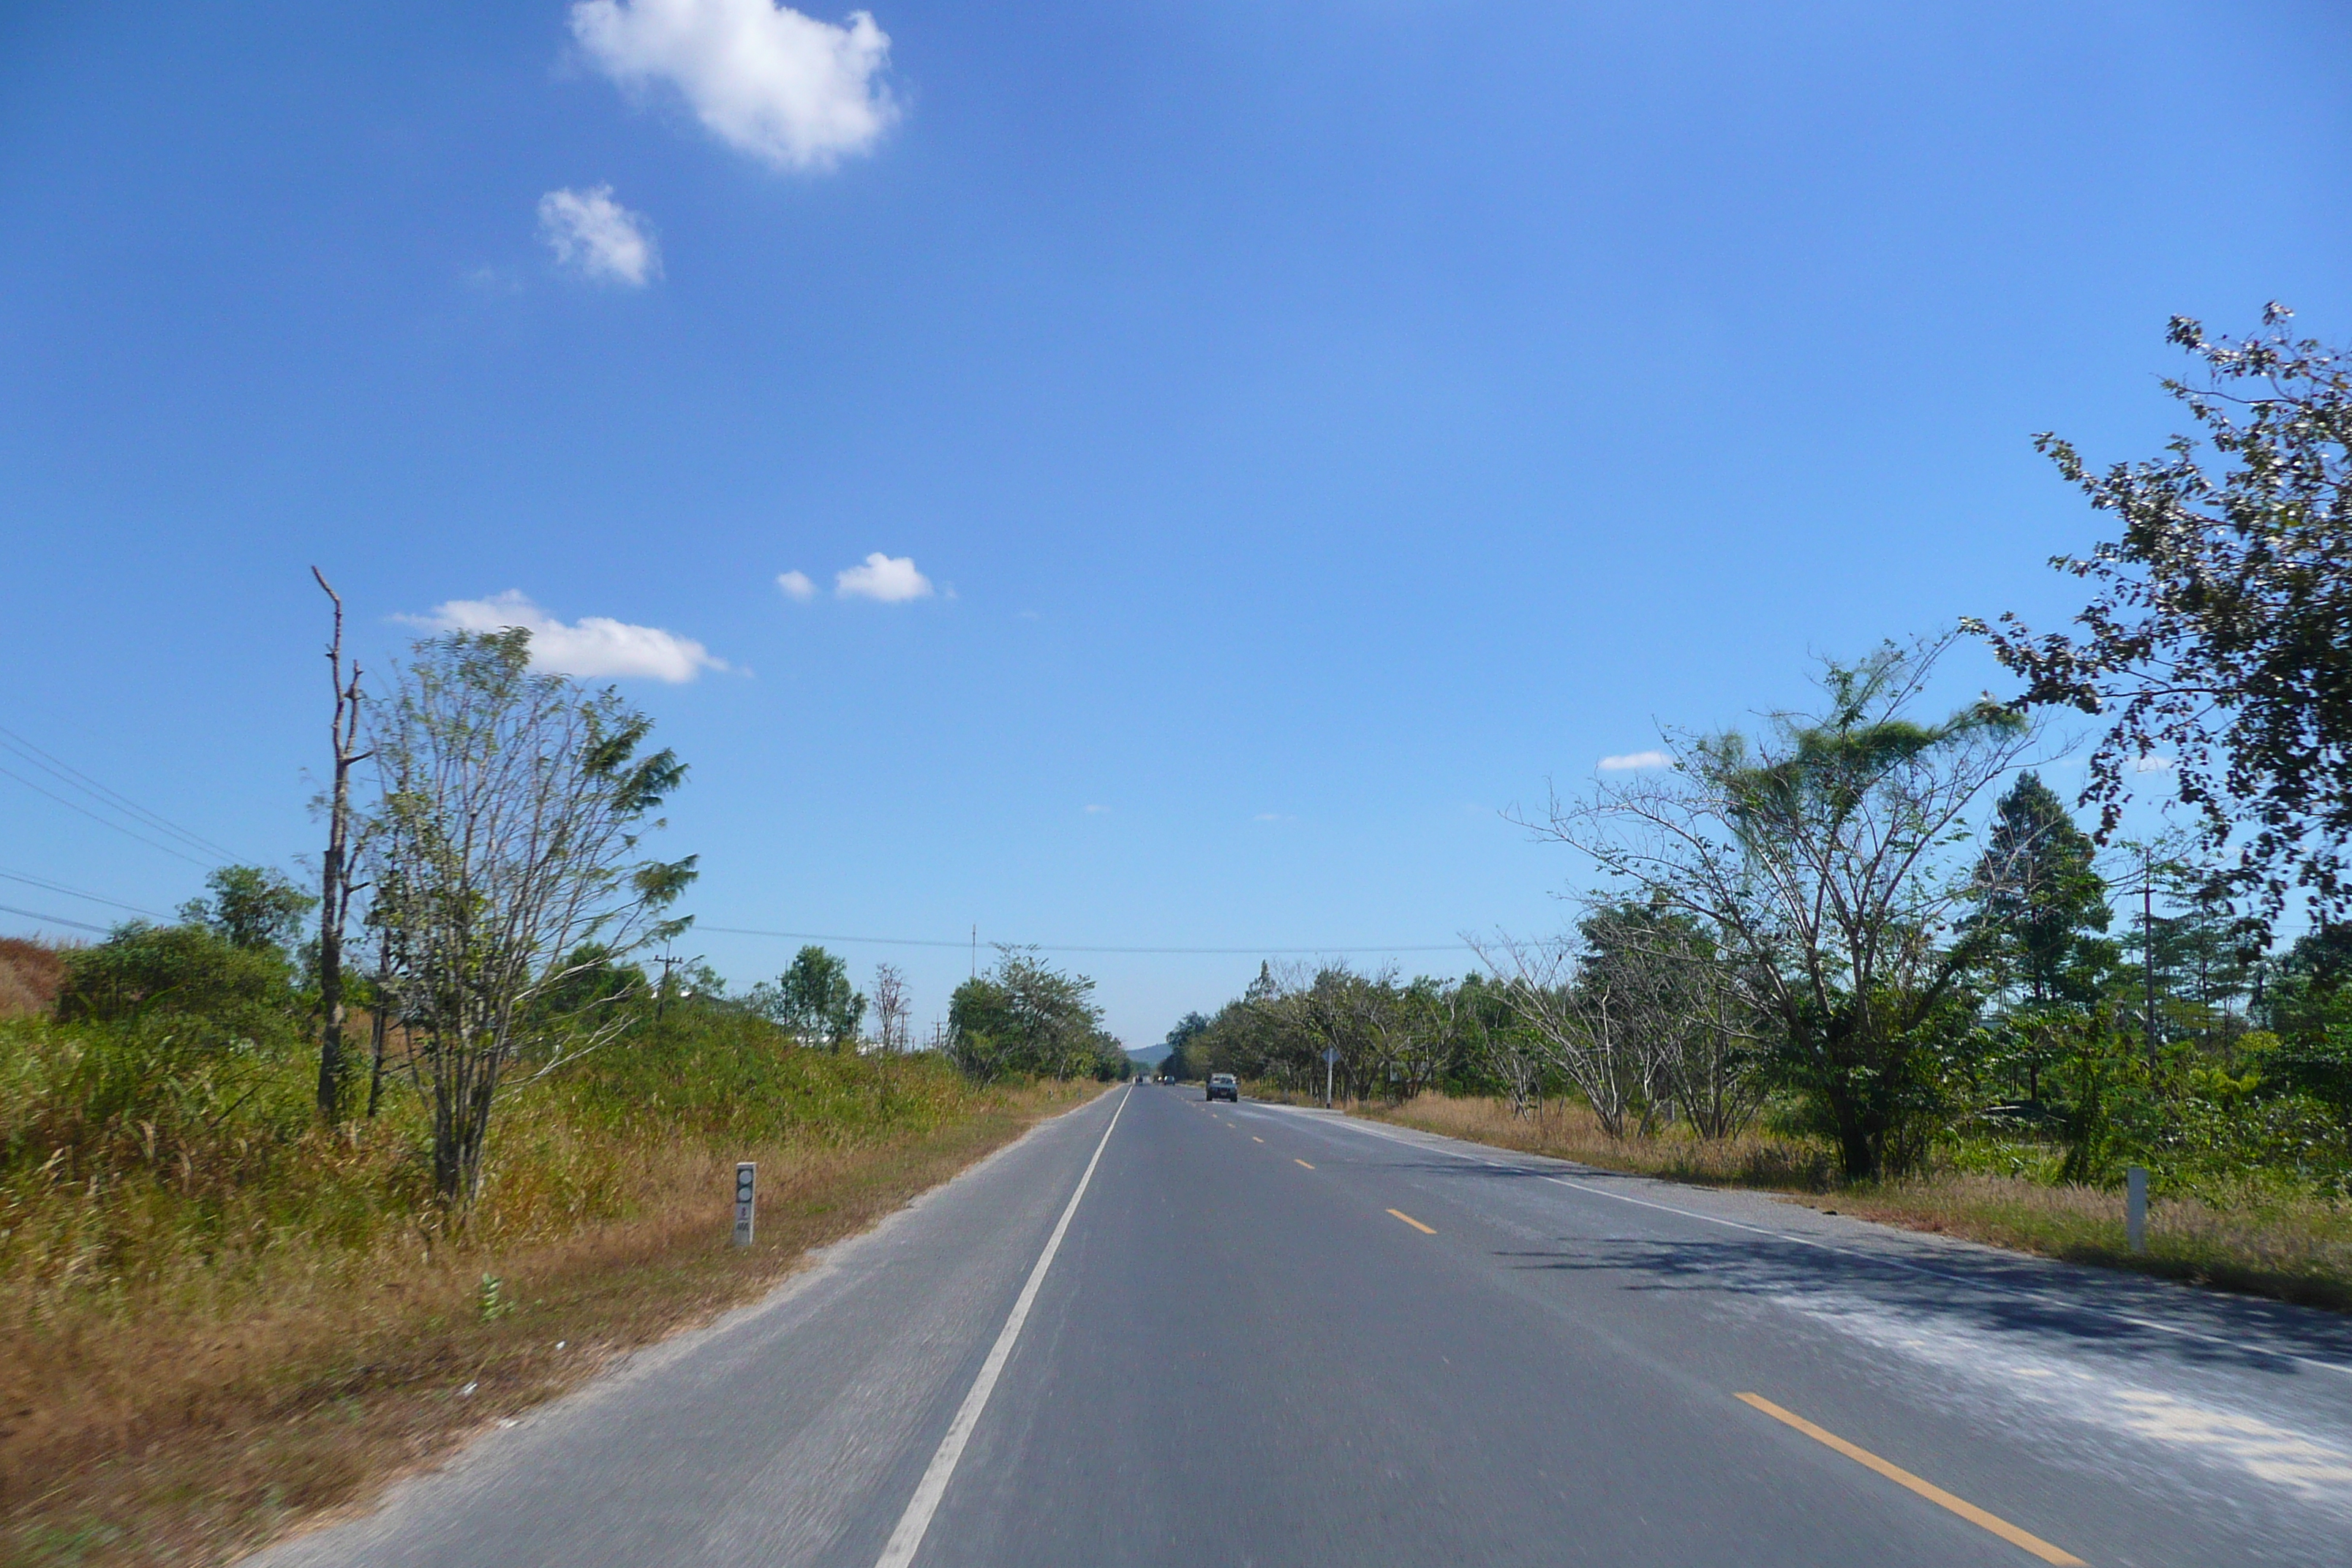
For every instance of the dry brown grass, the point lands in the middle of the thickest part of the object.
(2262, 1242)
(188, 1420)
(30, 975)
(1569, 1130)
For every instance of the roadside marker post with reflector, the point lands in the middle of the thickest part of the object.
(747, 1179)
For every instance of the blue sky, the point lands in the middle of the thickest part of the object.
(1318, 425)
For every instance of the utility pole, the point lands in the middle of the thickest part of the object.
(661, 997)
(975, 950)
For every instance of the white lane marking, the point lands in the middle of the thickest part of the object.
(908, 1537)
(2043, 1296)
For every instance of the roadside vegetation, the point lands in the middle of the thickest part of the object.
(1866, 951)
(277, 1224)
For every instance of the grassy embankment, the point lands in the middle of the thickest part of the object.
(2264, 1240)
(222, 1322)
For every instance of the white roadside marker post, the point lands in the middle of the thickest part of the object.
(746, 1178)
(2136, 1206)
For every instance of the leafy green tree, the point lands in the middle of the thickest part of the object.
(813, 999)
(251, 907)
(2308, 1006)
(2217, 636)
(2042, 903)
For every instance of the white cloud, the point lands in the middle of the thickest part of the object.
(2154, 764)
(598, 238)
(790, 90)
(891, 579)
(1632, 760)
(796, 585)
(594, 645)
(1097, 811)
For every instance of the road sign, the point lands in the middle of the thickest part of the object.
(747, 1181)
(1330, 1054)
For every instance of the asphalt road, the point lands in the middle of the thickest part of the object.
(1271, 1336)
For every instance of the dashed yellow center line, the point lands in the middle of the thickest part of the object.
(1296, 1160)
(1424, 1229)
(2024, 1540)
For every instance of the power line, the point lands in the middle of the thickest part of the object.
(74, 778)
(1066, 947)
(102, 822)
(53, 920)
(49, 886)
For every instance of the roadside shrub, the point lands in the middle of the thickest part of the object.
(185, 969)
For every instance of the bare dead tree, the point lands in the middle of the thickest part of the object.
(891, 1009)
(1578, 1017)
(335, 872)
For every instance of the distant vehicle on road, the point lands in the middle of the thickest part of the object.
(1222, 1086)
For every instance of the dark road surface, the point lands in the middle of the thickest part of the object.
(1272, 1336)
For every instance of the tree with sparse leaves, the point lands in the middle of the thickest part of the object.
(1818, 858)
(505, 846)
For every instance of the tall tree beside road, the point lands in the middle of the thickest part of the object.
(505, 848)
(2220, 636)
(1818, 858)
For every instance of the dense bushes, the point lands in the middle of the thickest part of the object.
(187, 970)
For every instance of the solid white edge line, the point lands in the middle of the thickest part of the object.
(907, 1538)
(2043, 1296)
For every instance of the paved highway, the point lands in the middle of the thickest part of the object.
(1270, 1336)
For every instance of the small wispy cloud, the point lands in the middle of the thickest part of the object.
(790, 90)
(889, 580)
(1274, 816)
(599, 239)
(594, 645)
(1097, 811)
(1632, 760)
(2154, 764)
(796, 585)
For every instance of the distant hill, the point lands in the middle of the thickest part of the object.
(1150, 1056)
